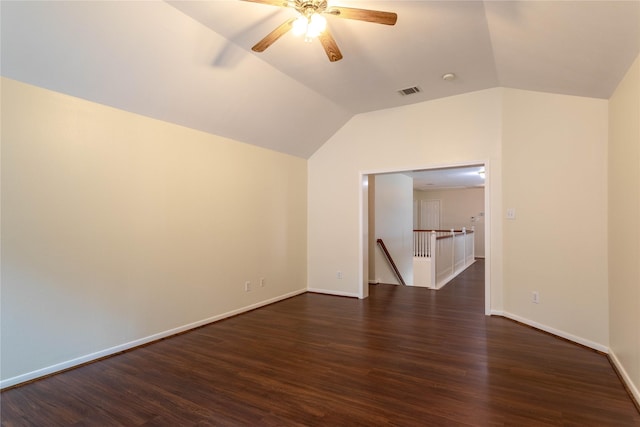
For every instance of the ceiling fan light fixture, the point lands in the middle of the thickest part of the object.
(299, 26)
(310, 27)
(317, 25)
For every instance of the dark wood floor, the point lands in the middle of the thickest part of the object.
(403, 357)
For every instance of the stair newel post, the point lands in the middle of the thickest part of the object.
(453, 251)
(432, 253)
(473, 246)
(464, 246)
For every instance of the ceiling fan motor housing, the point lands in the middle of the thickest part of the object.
(309, 7)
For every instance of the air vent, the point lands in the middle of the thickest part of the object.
(409, 91)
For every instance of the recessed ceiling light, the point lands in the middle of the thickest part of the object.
(448, 77)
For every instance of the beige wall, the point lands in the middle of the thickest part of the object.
(116, 227)
(394, 225)
(554, 175)
(624, 227)
(452, 131)
(457, 207)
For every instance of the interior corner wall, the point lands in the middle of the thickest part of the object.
(624, 227)
(554, 176)
(458, 206)
(117, 227)
(463, 129)
(542, 150)
(371, 228)
(394, 225)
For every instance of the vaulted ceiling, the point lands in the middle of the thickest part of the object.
(190, 62)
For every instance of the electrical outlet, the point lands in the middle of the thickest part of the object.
(339, 275)
(511, 213)
(247, 286)
(262, 282)
(535, 297)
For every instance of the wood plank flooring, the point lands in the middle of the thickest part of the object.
(403, 357)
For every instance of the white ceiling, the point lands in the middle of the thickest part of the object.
(447, 178)
(190, 62)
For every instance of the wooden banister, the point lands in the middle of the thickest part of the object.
(450, 233)
(446, 231)
(393, 264)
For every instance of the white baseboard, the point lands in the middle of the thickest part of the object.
(444, 282)
(452, 276)
(633, 388)
(557, 332)
(332, 292)
(29, 376)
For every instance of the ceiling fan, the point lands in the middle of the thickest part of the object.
(311, 23)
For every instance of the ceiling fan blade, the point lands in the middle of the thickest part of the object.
(273, 36)
(330, 46)
(376, 16)
(282, 3)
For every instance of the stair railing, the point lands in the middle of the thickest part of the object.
(390, 259)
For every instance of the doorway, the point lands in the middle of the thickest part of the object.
(460, 176)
